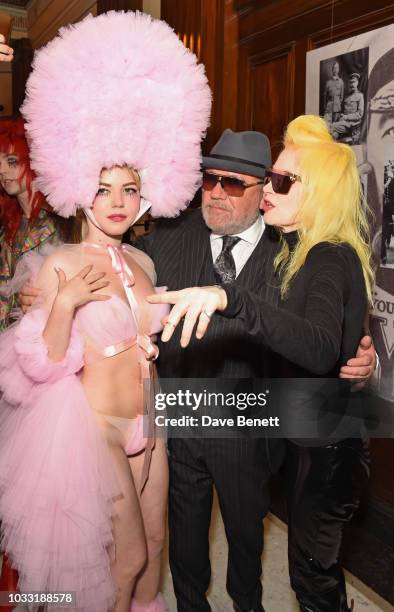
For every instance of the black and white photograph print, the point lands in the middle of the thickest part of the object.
(387, 247)
(343, 95)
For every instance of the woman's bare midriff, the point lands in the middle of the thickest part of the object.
(114, 385)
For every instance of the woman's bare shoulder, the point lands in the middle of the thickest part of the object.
(67, 257)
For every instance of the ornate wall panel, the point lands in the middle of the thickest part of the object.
(200, 25)
(269, 92)
(118, 5)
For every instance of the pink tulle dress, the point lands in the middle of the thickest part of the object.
(57, 483)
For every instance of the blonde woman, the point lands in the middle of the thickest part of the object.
(313, 196)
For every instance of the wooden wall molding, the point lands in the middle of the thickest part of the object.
(268, 84)
(19, 24)
(304, 16)
(118, 5)
(277, 14)
(229, 101)
(21, 67)
(186, 23)
(353, 27)
(271, 53)
(45, 24)
(201, 28)
(212, 38)
(243, 6)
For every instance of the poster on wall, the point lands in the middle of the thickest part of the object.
(355, 95)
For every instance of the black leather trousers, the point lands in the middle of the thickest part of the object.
(323, 491)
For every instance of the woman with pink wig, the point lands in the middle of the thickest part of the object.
(83, 482)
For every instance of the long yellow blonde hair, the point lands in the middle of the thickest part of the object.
(332, 207)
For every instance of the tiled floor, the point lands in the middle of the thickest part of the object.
(278, 597)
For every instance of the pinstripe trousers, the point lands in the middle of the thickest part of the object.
(237, 469)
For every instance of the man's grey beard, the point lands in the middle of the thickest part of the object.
(229, 229)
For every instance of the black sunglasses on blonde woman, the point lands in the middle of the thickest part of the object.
(281, 180)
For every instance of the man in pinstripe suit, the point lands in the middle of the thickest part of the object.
(184, 253)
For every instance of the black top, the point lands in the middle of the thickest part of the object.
(318, 326)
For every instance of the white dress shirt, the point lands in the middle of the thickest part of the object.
(244, 248)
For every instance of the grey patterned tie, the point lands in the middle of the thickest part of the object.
(224, 266)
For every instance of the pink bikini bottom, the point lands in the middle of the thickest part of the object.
(132, 431)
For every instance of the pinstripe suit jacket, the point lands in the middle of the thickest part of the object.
(182, 255)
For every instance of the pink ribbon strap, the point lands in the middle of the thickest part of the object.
(126, 276)
(120, 266)
(127, 279)
(151, 350)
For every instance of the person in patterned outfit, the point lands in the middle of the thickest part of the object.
(26, 221)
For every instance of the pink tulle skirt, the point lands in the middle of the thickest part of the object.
(57, 486)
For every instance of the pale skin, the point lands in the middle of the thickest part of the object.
(13, 183)
(6, 52)
(110, 384)
(220, 213)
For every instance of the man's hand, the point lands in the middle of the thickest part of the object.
(6, 52)
(363, 365)
(27, 296)
(195, 306)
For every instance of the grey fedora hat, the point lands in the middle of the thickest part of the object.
(244, 152)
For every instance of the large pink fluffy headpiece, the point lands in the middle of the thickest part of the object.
(111, 90)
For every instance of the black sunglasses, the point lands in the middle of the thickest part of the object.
(281, 180)
(231, 185)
